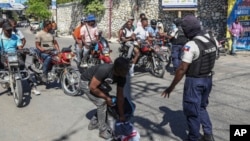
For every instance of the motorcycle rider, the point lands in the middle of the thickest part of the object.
(178, 40)
(160, 26)
(139, 23)
(141, 33)
(120, 32)
(78, 40)
(45, 42)
(91, 79)
(18, 33)
(127, 38)
(89, 34)
(152, 30)
(9, 44)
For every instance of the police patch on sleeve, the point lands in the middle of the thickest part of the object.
(186, 48)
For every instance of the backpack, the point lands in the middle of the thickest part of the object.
(180, 39)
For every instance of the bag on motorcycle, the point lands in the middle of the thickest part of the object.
(129, 108)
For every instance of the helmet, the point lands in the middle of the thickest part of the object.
(90, 18)
(177, 21)
(83, 19)
(153, 22)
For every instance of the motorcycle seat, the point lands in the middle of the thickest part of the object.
(66, 49)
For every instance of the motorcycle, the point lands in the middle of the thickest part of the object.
(164, 51)
(60, 69)
(150, 58)
(11, 76)
(99, 53)
(223, 47)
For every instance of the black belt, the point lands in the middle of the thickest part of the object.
(201, 76)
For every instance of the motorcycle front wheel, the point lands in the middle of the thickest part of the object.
(70, 82)
(158, 69)
(18, 93)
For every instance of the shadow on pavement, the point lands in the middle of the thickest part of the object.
(176, 121)
(26, 93)
(150, 127)
(71, 131)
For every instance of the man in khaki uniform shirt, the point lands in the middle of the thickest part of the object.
(45, 42)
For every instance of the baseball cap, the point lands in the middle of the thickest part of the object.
(6, 26)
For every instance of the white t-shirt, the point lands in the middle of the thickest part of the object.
(127, 32)
(141, 33)
(191, 51)
(19, 34)
(173, 33)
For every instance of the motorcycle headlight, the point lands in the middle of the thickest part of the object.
(12, 59)
(69, 56)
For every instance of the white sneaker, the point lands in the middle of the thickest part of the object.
(84, 65)
(35, 91)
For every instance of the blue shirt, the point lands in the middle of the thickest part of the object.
(152, 31)
(10, 44)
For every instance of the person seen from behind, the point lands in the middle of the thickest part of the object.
(199, 55)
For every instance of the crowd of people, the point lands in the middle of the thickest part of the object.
(193, 54)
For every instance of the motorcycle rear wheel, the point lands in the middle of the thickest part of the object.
(70, 82)
(18, 93)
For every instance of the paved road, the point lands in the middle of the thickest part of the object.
(53, 116)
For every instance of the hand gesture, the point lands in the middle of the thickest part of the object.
(109, 101)
(167, 92)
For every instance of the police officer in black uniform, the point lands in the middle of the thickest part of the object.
(198, 60)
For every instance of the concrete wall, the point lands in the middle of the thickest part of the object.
(68, 16)
(211, 12)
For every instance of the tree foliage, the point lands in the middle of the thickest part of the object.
(64, 1)
(94, 7)
(39, 9)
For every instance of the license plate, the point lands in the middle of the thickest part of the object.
(106, 54)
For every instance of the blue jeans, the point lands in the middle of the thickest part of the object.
(176, 55)
(195, 101)
(46, 61)
(234, 41)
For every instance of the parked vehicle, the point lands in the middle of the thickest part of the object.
(11, 76)
(34, 27)
(99, 53)
(24, 23)
(150, 59)
(60, 70)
